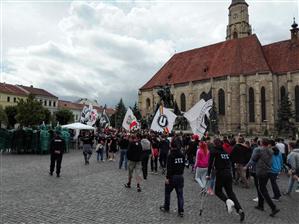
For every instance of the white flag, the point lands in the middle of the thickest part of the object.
(130, 122)
(163, 120)
(196, 116)
(89, 115)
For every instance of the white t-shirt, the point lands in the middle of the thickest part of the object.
(281, 147)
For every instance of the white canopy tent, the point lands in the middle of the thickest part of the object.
(77, 127)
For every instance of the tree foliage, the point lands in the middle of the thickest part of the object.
(64, 116)
(11, 112)
(118, 117)
(137, 112)
(285, 117)
(3, 117)
(31, 112)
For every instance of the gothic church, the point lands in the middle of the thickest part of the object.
(247, 79)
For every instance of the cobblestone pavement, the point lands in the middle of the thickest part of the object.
(95, 194)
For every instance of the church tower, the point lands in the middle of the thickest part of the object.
(238, 20)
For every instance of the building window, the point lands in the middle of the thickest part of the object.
(221, 102)
(45, 103)
(235, 35)
(251, 105)
(183, 102)
(148, 103)
(282, 92)
(8, 99)
(297, 103)
(54, 104)
(202, 95)
(50, 103)
(15, 99)
(263, 103)
(76, 117)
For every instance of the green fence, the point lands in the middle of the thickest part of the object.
(27, 140)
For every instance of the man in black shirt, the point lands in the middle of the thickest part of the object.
(221, 161)
(57, 148)
(174, 179)
(134, 156)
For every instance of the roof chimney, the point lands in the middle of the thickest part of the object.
(294, 32)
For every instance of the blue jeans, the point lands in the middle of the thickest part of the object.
(175, 182)
(275, 188)
(291, 184)
(100, 153)
(123, 158)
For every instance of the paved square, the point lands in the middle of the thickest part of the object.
(95, 194)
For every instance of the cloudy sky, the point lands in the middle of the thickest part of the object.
(106, 50)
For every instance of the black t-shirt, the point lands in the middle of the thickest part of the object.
(175, 163)
(220, 160)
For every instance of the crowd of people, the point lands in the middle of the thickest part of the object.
(217, 165)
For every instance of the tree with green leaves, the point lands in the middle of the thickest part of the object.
(119, 115)
(137, 112)
(285, 117)
(3, 117)
(64, 116)
(31, 112)
(11, 112)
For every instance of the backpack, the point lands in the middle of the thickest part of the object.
(155, 152)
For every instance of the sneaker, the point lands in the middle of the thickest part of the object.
(297, 190)
(259, 208)
(127, 185)
(275, 199)
(163, 209)
(242, 215)
(274, 212)
(57, 175)
(229, 204)
(287, 193)
(181, 214)
(255, 199)
(51, 173)
(138, 188)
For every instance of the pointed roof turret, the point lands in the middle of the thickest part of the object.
(294, 25)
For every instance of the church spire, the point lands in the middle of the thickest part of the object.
(294, 32)
(238, 20)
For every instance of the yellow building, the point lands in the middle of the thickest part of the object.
(9, 95)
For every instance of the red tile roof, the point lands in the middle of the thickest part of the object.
(231, 57)
(62, 104)
(37, 91)
(77, 106)
(12, 89)
(282, 56)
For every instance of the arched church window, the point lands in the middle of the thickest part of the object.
(263, 103)
(282, 92)
(235, 35)
(221, 102)
(183, 102)
(297, 103)
(251, 105)
(148, 103)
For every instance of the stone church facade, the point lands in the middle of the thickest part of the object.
(247, 79)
